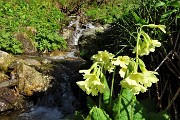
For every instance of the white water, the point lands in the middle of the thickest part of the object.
(42, 113)
(78, 30)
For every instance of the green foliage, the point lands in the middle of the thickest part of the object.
(126, 107)
(97, 114)
(110, 11)
(123, 106)
(43, 16)
(9, 43)
(171, 7)
(49, 40)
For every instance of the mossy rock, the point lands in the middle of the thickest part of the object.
(5, 60)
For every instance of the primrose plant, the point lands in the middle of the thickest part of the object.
(135, 77)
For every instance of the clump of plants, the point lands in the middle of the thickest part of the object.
(43, 16)
(136, 79)
(107, 11)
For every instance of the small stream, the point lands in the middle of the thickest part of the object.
(61, 100)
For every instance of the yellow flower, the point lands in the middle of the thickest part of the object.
(85, 71)
(132, 83)
(153, 44)
(122, 72)
(109, 67)
(161, 27)
(103, 56)
(139, 82)
(149, 78)
(123, 61)
(146, 45)
(91, 85)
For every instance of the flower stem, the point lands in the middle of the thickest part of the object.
(137, 49)
(100, 98)
(112, 86)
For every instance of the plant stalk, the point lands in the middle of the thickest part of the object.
(112, 86)
(137, 48)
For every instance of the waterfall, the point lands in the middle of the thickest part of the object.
(79, 28)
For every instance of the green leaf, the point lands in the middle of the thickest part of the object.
(106, 94)
(159, 4)
(98, 114)
(138, 19)
(139, 112)
(174, 3)
(167, 14)
(123, 106)
(142, 65)
(130, 68)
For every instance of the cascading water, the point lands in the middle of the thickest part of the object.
(58, 102)
(79, 29)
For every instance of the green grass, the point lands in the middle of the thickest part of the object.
(43, 17)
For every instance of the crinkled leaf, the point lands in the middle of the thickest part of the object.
(106, 94)
(123, 106)
(97, 114)
(126, 107)
(149, 104)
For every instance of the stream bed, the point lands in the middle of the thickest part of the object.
(61, 98)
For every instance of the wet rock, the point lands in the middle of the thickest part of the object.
(9, 83)
(30, 80)
(93, 40)
(64, 54)
(8, 99)
(28, 45)
(58, 53)
(5, 60)
(67, 34)
(29, 61)
(3, 77)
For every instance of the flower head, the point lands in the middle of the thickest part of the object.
(103, 56)
(132, 82)
(91, 85)
(139, 82)
(146, 45)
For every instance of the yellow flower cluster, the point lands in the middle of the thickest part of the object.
(104, 57)
(136, 81)
(147, 45)
(91, 85)
(133, 78)
(139, 82)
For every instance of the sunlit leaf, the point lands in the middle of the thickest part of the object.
(159, 4)
(175, 3)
